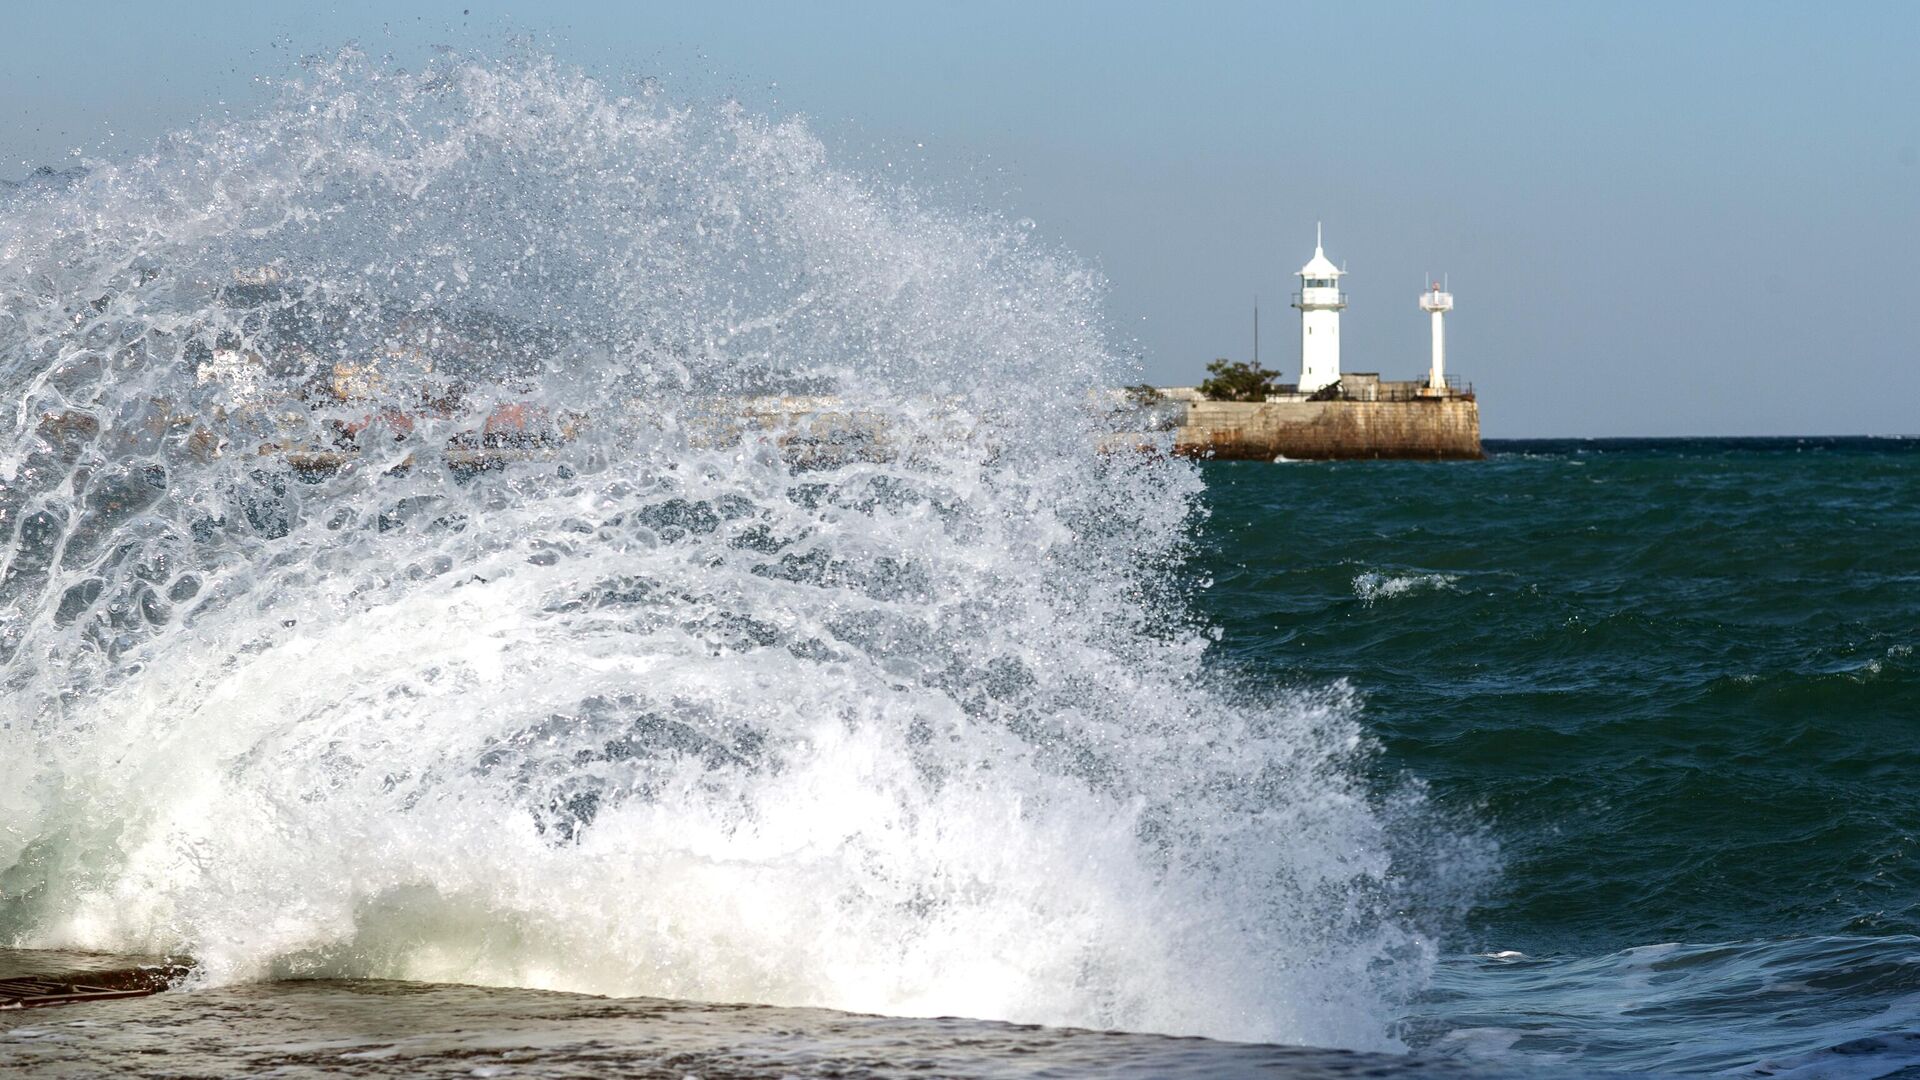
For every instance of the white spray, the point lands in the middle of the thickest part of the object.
(913, 723)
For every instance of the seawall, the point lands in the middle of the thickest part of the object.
(1435, 429)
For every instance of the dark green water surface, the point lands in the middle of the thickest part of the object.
(1675, 680)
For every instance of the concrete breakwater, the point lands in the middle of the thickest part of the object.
(1412, 424)
(311, 1029)
(1439, 429)
(1415, 425)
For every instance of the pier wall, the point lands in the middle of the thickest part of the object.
(1430, 429)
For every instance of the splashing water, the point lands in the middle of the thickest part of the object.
(396, 584)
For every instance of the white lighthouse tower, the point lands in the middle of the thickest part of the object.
(1320, 302)
(1437, 302)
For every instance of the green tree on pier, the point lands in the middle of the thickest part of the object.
(1237, 380)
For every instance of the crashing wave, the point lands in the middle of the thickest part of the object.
(398, 582)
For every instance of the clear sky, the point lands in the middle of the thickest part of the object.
(1693, 218)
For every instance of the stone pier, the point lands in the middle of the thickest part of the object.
(1434, 429)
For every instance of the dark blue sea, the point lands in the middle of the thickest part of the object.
(1675, 680)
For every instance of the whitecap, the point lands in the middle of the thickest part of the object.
(1371, 586)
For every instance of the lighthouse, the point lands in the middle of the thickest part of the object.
(1320, 302)
(1436, 303)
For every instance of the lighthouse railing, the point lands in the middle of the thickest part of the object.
(1321, 299)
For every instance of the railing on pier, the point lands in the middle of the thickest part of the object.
(1412, 390)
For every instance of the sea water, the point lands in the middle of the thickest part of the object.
(1676, 679)
(391, 588)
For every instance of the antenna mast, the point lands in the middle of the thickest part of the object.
(1256, 330)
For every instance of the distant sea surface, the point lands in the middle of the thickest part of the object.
(1675, 681)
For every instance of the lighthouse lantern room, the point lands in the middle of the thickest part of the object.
(1320, 302)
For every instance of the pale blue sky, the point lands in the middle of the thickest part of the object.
(1657, 218)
